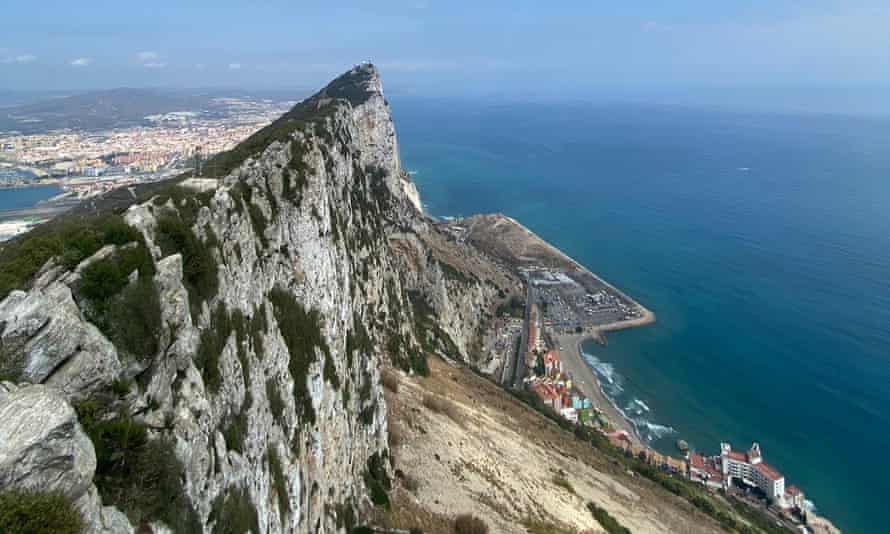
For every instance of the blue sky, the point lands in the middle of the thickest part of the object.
(572, 48)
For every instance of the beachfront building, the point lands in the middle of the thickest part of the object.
(707, 471)
(749, 468)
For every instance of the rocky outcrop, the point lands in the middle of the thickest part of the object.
(283, 283)
(44, 449)
(46, 339)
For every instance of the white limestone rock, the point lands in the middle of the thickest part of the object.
(47, 339)
(44, 448)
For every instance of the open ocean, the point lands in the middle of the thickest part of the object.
(761, 242)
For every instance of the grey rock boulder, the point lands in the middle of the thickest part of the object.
(43, 447)
(46, 339)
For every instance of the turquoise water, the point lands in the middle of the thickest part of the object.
(762, 243)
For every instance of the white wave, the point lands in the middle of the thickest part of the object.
(641, 404)
(809, 506)
(652, 430)
(743, 169)
(605, 371)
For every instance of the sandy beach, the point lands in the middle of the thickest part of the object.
(586, 381)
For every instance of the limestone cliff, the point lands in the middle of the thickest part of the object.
(282, 279)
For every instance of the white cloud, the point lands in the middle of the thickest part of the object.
(81, 62)
(154, 65)
(23, 59)
(200, 66)
(234, 66)
(147, 56)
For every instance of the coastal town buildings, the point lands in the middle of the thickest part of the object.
(747, 468)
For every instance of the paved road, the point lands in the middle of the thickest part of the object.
(519, 363)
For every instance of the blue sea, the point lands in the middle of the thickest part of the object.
(26, 197)
(761, 242)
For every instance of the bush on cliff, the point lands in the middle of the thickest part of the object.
(469, 524)
(609, 523)
(129, 314)
(301, 330)
(233, 513)
(70, 240)
(279, 481)
(377, 480)
(139, 475)
(25, 512)
(199, 269)
(212, 343)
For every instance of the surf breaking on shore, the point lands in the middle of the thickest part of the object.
(633, 409)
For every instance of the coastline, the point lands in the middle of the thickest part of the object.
(585, 379)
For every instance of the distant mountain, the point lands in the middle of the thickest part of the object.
(114, 108)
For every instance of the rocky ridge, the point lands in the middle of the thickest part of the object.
(283, 281)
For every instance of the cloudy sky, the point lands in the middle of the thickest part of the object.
(563, 47)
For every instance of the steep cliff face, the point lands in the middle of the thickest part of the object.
(273, 288)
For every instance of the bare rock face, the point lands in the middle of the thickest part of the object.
(44, 448)
(49, 341)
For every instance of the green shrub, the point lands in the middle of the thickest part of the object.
(199, 267)
(133, 321)
(515, 307)
(276, 403)
(235, 431)
(26, 512)
(12, 359)
(377, 480)
(68, 238)
(129, 314)
(609, 523)
(118, 443)
(279, 481)
(121, 387)
(186, 201)
(301, 330)
(117, 268)
(234, 513)
(210, 347)
(536, 526)
(142, 477)
(469, 524)
(258, 326)
(259, 223)
(562, 482)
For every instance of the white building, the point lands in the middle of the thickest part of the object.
(750, 468)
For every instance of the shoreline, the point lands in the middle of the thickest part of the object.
(586, 380)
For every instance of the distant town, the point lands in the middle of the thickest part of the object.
(89, 162)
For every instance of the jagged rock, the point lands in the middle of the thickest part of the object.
(101, 519)
(44, 448)
(46, 339)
